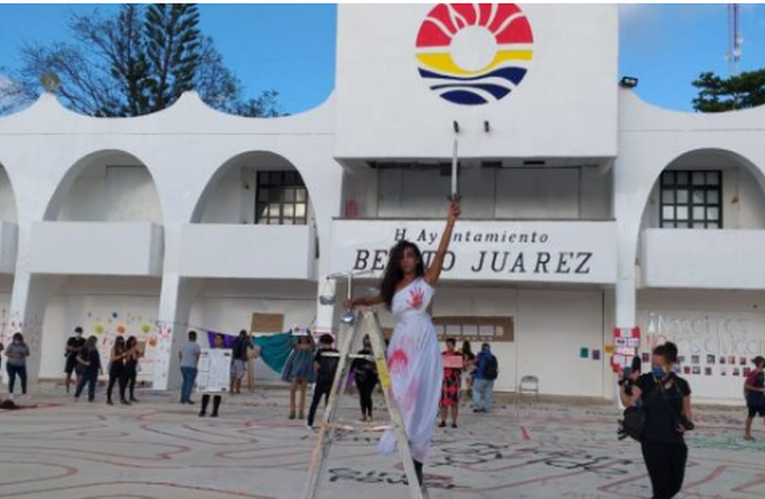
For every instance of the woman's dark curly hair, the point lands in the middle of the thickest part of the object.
(393, 273)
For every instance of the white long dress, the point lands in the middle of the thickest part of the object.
(416, 369)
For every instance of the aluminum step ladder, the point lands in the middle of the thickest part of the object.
(365, 323)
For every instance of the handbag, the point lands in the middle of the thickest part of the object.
(633, 423)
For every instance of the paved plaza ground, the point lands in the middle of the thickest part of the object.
(160, 449)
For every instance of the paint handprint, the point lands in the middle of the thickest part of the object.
(416, 298)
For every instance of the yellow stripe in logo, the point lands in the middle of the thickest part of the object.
(443, 62)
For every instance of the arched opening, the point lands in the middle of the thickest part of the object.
(8, 243)
(106, 211)
(707, 189)
(255, 188)
(250, 250)
(106, 186)
(701, 268)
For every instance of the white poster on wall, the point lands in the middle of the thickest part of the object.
(214, 370)
(715, 347)
(541, 251)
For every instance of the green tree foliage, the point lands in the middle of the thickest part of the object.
(718, 94)
(137, 61)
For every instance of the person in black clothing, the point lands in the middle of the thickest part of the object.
(325, 367)
(89, 367)
(131, 366)
(666, 398)
(365, 374)
(117, 373)
(73, 346)
(754, 387)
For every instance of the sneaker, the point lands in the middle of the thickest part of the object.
(10, 397)
(308, 427)
(27, 397)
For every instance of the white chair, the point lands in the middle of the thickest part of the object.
(529, 384)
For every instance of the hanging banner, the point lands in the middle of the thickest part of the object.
(541, 251)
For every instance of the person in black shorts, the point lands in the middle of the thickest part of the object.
(666, 398)
(755, 395)
(73, 346)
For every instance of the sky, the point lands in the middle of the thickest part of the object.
(291, 48)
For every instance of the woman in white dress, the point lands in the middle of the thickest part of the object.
(414, 357)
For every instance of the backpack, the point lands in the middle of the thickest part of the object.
(491, 369)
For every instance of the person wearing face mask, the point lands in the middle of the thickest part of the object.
(666, 398)
(16, 365)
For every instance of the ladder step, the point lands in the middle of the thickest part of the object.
(361, 429)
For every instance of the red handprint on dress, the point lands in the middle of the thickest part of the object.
(416, 298)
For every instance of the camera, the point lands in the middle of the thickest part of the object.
(686, 423)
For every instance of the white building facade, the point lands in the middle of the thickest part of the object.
(584, 208)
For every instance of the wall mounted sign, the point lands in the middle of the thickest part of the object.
(539, 251)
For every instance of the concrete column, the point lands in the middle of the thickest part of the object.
(175, 302)
(28, 303)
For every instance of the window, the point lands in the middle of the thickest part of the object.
(282, 199)
(691, 199)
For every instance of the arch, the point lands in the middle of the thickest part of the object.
(727, 157)
(93, 160)
(268, 159)
(8, 206)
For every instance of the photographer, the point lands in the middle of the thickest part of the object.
(666, 399)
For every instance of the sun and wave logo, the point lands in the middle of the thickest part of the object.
(474, 53)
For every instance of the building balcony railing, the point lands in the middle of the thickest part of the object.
(97, 248)
(248, 251)
(699, 258)
(571, 251)
(9, 235)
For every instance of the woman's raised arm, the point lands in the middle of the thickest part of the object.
(434, 270)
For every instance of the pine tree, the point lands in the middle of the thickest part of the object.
(173, 45)
(718, 94)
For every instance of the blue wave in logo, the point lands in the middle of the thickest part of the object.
(497, 91)
(463, 97)
(511, 74)
(464, 87)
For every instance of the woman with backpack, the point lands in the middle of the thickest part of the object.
(666, 405)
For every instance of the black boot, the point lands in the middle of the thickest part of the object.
(205, 403)
(418, 471)
(216, 404)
